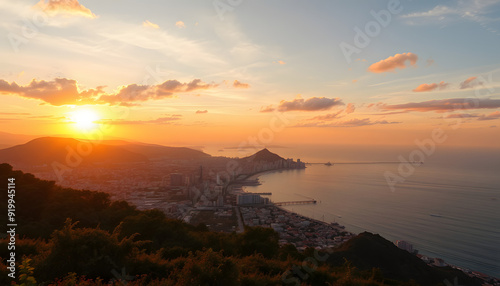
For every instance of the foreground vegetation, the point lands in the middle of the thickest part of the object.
(73, 237)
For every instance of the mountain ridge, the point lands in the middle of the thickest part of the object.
(46, 150)
(368, 250)
(263, 155)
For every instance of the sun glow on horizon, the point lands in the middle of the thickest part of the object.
(85, 119)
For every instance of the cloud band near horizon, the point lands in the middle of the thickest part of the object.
(300, 104)
(446, 105)
(63, 91)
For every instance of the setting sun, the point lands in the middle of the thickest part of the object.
(84, 119)
(361, 130)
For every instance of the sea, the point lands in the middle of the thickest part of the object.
(447, 206)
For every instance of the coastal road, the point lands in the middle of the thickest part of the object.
(241, 228)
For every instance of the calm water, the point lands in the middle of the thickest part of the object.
(464, 193)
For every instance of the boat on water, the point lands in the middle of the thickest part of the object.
(328, 164)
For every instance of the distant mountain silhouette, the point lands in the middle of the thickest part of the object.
(46, 150)
(368, 250)
(10, 139)
(263, 155)
(163, 152)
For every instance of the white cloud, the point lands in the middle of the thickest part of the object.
(177, 48)
(66, 7)
(149, 24)
(479, 11)
(439, 10)
(180, 24)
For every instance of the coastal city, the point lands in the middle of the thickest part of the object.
(232, 142)
(208, 192)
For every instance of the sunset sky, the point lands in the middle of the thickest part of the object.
(225, 71)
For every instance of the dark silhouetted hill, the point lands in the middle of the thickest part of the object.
(368, 250)
(46, 150)
(263, 155)
(164, 152)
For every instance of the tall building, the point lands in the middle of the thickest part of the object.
(176, 179)
(201, 174)
(404, 245)
(251, 199)
(220, 201)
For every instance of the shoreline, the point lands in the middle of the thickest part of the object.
(467, 271)
(334, 224)
(256, 175)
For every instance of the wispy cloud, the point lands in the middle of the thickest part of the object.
(326, 117)
(470, 83)
(48, 117)
(461, 115)
(346, 123)
(149, 24)
(201, 111)
(491, 116)
(430, 87)
(239, 84)
(161, 120)
(391, 63)
(177, 49)
(481, 117)
(446, 105)
(390, 113)
(14, 113)
(437, 11)
(265, 109)
(310, 104)
(479, 11)
(350, 108)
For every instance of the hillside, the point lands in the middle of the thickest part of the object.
(72, 237)
(368, 250)
(155, 151)
(164, 152)
(46, 150)
(263, 155)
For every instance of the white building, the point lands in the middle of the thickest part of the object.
(404, 245)
(250, 199)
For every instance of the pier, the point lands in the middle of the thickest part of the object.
(295, 203)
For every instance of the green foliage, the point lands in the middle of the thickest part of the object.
(289, 251)
(72, 237)
(43, 206)
(260, 240)
(26, 273)
(85, 251)
(208, 268)
(24, 247)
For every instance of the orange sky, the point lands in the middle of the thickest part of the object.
(188, 76)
